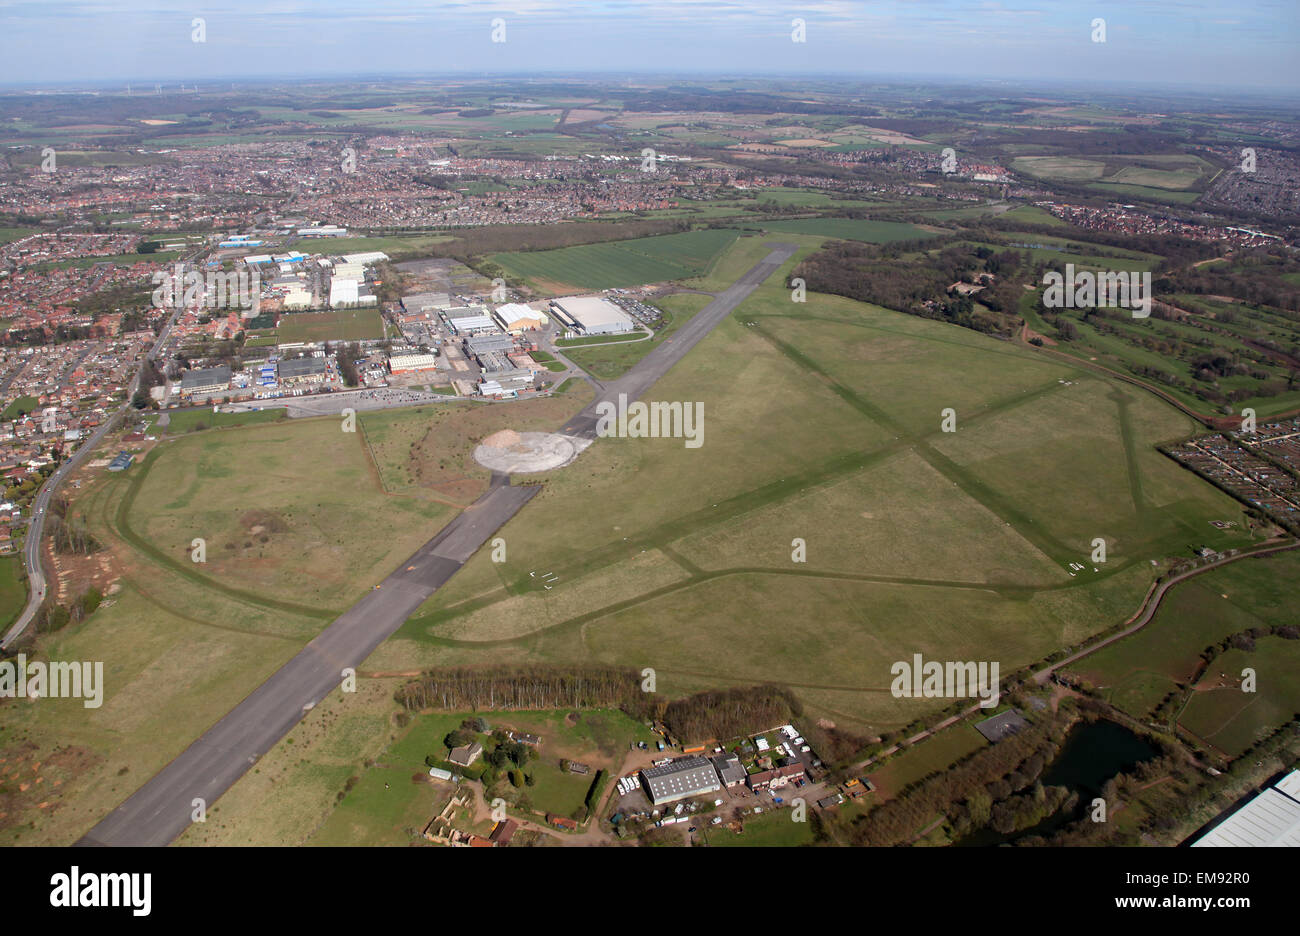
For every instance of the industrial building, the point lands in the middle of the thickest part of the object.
(505, 386)
(516, 318)
(297, 298)
(484, 343)
(298, 368)
(593, 315)
(206, 380)
(344, 293)
(471, 320)
(1271, 819)
(686, 776)
(365, 258)
(410, 363)
(424, 303)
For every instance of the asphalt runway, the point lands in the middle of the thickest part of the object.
(646, 373)
(162, 809)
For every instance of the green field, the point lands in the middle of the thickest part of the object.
(1146, 192)
(774, 828)
(336, 325)
(392, 797)
(21, 405)
(13, 590)
(872, 232)
(620, 263)
(1136, 673)
(397, 248)
(427, 452)
(318, 540)
(180, 422)
(1032, 214)
(1149, 347)
(184, 642)
(933, 754)
(1233, 720)
(822, 423)
(909, 530)
(1155, 177)
(9, 234)
(1065, 168)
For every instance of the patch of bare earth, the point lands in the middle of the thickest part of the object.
(30, 781)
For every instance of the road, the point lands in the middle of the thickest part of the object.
(161, 809)
(36, 583)
(1155, 595)
(1140, 619)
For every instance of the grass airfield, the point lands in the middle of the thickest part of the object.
(822, 423)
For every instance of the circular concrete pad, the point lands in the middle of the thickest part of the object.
(511, 452)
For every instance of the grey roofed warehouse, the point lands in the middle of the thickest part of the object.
(480, 343)
(206, 378)
(300, 367)
(686, 776)
(594, 315)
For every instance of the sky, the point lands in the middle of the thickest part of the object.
(1239, 45)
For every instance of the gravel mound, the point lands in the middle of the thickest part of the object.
(505, 439)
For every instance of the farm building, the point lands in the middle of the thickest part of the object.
(594, 315)
(686, 776)
(121, 462)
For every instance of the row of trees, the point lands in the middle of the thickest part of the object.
(523, 687)
(725, 713)
(720, 713)
(897, 820)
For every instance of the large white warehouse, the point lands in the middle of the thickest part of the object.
(594, 315)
